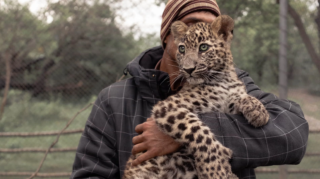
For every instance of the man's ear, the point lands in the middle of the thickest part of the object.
(223, 26)
(178, 30)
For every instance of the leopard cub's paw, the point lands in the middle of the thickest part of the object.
(255, 112)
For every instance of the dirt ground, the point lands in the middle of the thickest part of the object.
(310, 105)
(313, 123)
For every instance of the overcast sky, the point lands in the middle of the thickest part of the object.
(147, 16)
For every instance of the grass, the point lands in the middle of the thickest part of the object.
(25, 114)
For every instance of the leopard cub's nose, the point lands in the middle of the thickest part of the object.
(189, 70)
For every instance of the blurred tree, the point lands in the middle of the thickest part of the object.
(255, 46)
(317, 20)
(158, 2)
(74, 47)
(90, 52)
(305, 38)
(20, 35)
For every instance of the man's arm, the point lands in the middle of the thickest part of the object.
(96, 157)
(282, 141)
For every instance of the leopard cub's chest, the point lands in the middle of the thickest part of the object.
(210, 98)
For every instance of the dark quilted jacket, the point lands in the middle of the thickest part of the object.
(106, 142)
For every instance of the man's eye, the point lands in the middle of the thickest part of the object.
(182, 49)
(203, 47)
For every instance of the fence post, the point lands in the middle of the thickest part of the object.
(283, 76)
(283, 62)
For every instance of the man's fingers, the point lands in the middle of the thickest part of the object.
(139, 128)
(145, 156)
(139, 148)
(137, 139)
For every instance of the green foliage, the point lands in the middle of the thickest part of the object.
(21, 32)
(256, 45)
(77, 53)
(18, 26)
(158, 2)
(92, 49)
(81, 50)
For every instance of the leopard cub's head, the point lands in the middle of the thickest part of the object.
(203, 53)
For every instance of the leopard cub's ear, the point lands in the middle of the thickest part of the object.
(223, 26)
(178, 30)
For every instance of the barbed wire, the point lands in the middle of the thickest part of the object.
(269, 170)
(37, 150)
(38, 134)
(57, 139)
(44, 175)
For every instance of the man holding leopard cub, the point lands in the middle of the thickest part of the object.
(124, 108)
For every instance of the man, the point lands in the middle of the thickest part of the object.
(122, 109)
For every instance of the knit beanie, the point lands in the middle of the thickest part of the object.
(177, 9)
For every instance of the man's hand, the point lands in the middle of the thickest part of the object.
(153, 141)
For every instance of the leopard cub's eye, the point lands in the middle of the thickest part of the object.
(203, 47)
(182, 49)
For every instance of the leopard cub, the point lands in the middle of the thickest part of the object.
(212, 85)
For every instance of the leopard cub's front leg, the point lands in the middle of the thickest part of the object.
(211, 157)
(252, 109)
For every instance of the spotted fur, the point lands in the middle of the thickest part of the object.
(212, 86)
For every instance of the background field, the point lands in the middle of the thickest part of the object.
(56, 55)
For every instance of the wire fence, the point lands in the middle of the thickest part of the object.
(26, 154)
(73, 150)
(21, 115)
(48, 150)
(43, 84)
(50, 71)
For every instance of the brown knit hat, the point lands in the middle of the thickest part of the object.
(177, 9)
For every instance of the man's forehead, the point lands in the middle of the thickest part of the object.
(191, 20)
(199, 16)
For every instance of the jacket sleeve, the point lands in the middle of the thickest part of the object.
(96, 156)
(282, 141)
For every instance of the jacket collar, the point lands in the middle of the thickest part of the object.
(153, 85)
